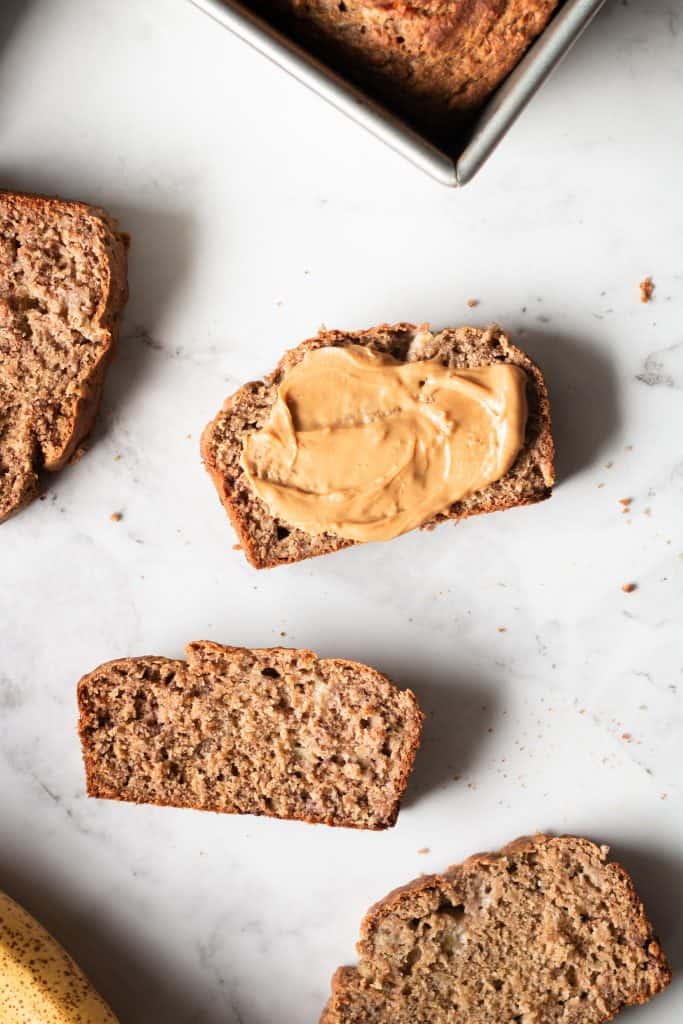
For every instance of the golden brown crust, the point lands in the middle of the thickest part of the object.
(305, 658)
(244, 507)
(111, 261)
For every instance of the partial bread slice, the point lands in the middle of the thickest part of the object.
(268, 541)
(545, 932)
(277, 732)
(62, 290)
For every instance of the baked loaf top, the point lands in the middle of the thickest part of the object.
(277, 732)
(430, 58)
(547, 930)
(268, 541)
(62, 289)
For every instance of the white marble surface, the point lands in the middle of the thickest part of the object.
(258, 213)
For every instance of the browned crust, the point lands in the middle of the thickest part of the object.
(459, 510)
(113, 270)
(414, 730)
(659, 963)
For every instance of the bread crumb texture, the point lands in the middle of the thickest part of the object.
(62, 288)
(647, 287)
(545, 931)
(278, 732)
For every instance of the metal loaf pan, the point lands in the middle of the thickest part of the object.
(497, 116)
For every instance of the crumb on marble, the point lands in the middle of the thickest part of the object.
(646, 289)
(628, 588)
(116, 517)
(78, 455)
(472, 303)
(117, 458)
(627, 737)
(423, 849)
(625, 502)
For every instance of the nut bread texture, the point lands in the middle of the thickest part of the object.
(271, 732)
(62, 290)
(268, 542)
(434, 60)
(547, 931)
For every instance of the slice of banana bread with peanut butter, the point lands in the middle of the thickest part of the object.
(547, 931)
(277, 732)
(62, 290)
(363, 435)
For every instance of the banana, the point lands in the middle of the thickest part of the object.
(39, 982)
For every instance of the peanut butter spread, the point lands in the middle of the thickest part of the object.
(366, 447)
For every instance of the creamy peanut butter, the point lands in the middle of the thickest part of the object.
(366, 447)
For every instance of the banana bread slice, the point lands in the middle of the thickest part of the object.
(62, 290)
(547, 931)
(268, 542)
(277, 732)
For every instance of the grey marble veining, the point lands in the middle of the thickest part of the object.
(553, 697)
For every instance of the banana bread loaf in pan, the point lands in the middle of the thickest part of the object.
(434, 61)
(431, 79)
